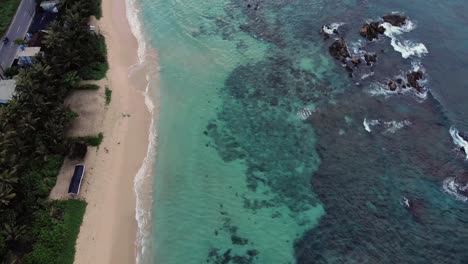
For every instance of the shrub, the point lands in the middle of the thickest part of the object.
(108, 95)
(12, 71)
(94, 141)
(94, 71)
(88, 86)
(78, 150)
(19, 41)
(97, 69)
(57, 229)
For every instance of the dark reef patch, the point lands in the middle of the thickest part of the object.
(363, 178)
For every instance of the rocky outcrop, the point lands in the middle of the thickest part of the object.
(356, 61)
(372, 31)
(327, 30)
(392, 85)
(339, 50)
(324, 34)
(395, 20)
(370, 59)
(413, 78)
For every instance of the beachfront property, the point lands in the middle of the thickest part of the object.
(7, 89)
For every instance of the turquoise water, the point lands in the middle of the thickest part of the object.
(262, 156)
(205, 204)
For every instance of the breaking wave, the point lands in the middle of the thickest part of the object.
(459, 140)
(388, 126)
(143, 178)
(452, 187)
(330, 29)
(407, 48)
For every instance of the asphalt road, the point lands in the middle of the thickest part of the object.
(18, 29)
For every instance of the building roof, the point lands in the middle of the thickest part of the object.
(7, 88)
(50, 6)
(28, 52)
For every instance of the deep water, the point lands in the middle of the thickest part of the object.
(263, 156)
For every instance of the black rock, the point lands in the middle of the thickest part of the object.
(370, 58)
(413, 78)
(392, 86)
(356, 61)
(395, 20)
(372, 31)
(339, 50)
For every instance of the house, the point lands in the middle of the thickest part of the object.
(25, 55)
(7, 89)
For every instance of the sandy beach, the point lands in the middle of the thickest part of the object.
(108, 232)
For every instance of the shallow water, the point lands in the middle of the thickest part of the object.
(263, 156)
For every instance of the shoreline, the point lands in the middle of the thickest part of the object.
(108, 233)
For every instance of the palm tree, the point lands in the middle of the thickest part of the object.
(6, 194)
(13, 232)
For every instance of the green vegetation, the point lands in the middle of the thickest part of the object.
(97, 69)
(87, 57)
(7, 11)
(12, 71)
(19, 41)
(108, 95)
(57, 229)
(33, 141)
(88, 86)
(94, 141)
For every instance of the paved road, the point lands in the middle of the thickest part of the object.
(18, 29)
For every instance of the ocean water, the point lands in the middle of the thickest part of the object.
(268, 152)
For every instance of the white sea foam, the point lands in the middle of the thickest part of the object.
(367, 75)
(407, 48)
(458, 140)
(405, 202)
(329, 29)
(451, 186)
(381, 88)
(378, 89)
(389, 126)
(304, 114)
(394, 126)
(369, 123)
(133, 12)
(143, 178)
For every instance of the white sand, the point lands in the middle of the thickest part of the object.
(108, 232)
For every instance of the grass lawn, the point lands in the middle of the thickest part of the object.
(57, 229)
(7, 11)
